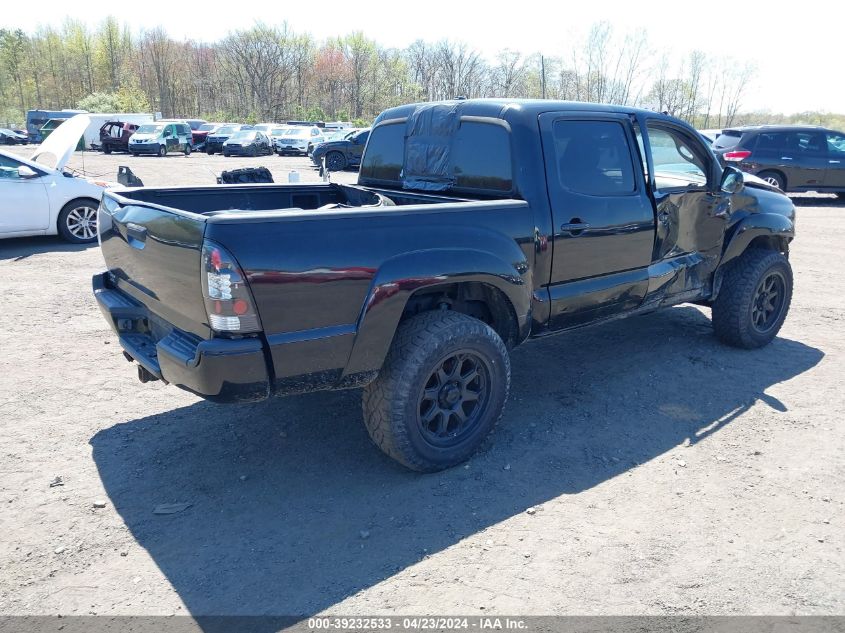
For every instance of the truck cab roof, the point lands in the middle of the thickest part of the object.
(517, 110)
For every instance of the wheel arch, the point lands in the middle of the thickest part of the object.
(493, 290)
(763, 231)
(767, 230)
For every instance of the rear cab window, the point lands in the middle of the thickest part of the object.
(481, 159)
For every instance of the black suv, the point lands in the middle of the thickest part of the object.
(794, 158)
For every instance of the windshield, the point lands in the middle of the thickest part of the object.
(226, 129)
(244, 135)
(299, 132)
(150, 129)
(207, 127)
(278, 131)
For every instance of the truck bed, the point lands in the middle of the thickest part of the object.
(319, 260)
(212, 200)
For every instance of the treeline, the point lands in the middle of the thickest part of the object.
(273, 73)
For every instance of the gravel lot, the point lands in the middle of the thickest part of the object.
(640, 467)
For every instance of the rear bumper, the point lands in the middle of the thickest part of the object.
(221, 370)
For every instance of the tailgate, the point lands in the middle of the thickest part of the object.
(154, 254)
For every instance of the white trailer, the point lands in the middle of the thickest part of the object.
(92, 132)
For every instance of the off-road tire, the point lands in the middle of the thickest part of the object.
(735, 304)
(392, 403)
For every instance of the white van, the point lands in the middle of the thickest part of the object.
(161, 137)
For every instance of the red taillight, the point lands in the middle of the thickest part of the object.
(228, 301)
(735, 157)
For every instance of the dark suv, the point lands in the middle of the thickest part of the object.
(794, 158)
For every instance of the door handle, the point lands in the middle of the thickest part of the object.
(574, 227)
(834, 162)
(786, 157)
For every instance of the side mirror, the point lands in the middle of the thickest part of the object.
(27, 172)
(732, 180)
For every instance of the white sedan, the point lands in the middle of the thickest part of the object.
(38, 198)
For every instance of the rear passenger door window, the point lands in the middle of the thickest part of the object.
(593, 158)
(769, 145)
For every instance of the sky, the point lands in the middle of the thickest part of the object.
(796, 55)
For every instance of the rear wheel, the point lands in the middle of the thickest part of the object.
(335, 161)
(440, 392)
(773, 178)
(162, 150)
(187, 149)
(754, 299)
(106, 149)
(78, 221)
(209, 151)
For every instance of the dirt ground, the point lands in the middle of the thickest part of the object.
(640, 467)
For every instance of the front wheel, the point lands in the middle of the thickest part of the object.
(440, 392)
(754, 299)
(106, 149)
(188, 149)
(209, 151)
(162, 150)
(78, 221)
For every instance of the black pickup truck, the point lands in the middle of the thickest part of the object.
(475, 225)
